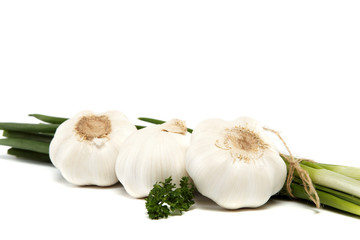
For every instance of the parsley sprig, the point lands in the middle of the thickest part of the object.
(165, 199)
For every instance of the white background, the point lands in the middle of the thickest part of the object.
(292, 65)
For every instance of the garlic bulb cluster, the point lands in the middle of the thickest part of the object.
(152, 154)
(85, 147)
(234, 163)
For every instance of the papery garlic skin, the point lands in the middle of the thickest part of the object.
(152, 154)
(85, 147)
(234, 163)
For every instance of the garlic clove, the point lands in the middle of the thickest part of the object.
(85, 147)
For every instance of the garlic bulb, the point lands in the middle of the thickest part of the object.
(152, 154)
(86, 146)
(234, 163)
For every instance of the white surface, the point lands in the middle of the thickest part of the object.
(293, 65)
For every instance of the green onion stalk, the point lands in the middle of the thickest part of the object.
(338, 187)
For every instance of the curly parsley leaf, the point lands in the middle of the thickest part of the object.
(165, 199)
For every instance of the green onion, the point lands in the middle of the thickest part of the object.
(327, 199)
(59, 120)
(338, 194)
(352, 172)
(26, 144)
(342, 195)
(26, 154)
(333, 180)
(49, 119)
(151, 120)
(30, 136)
(29, 127)
(139, 127)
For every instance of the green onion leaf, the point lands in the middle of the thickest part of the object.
(352, 172)
(49, 119)
(29, 127)
(333, 180)
(327, 199)
(26, 154)
(26, 144)
(30, 136)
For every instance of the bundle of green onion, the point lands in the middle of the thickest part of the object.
(336, 186)
(30, 141)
